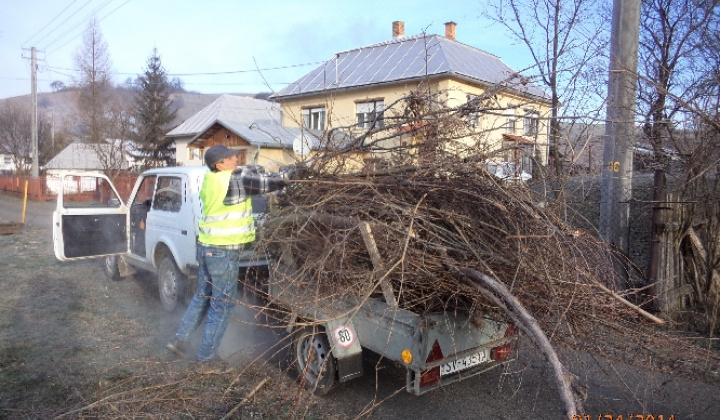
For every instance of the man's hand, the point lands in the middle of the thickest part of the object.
(295, 171)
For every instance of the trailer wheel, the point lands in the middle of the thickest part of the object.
(171, 283)
(314, 361)
(110, 267)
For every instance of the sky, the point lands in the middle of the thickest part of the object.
(223, 46)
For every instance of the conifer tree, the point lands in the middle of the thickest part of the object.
(153, 114)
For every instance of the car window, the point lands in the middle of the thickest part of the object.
(169, 194)
(84, 191)
(145, 191)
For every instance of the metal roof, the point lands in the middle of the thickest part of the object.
(409, 58)
(85, 156)
(229, 109)
(255, 120)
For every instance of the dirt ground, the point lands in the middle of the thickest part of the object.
(76, 345)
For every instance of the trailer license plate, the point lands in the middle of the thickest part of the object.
(464, 363)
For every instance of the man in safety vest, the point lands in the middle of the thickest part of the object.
(226, 229)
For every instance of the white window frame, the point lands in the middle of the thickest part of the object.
(367, 112)
(195, 153)
(314, 118)
(531, 123)
(510, 124)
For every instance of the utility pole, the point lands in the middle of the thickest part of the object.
(620, 125)
(34, 120)
(35, 171)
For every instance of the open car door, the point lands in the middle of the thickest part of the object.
(90, 219)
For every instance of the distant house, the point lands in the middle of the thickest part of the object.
(354, 89)
(6, 163)
(83, 157)
(252, 126)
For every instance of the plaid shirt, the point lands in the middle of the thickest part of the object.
(245, 182)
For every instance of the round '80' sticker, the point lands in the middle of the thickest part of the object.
(344, 336)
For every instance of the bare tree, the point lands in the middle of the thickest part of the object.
(15, 136)
(101, 117)
(671, 45)
(565, 40)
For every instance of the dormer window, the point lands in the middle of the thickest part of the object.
(370, 113)
(314, 118)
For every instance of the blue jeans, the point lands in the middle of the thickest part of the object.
(215, 296)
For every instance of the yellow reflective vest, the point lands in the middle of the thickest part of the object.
(223, 225)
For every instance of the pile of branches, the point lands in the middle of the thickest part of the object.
(437, 227)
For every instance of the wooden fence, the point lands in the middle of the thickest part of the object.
(687, 276)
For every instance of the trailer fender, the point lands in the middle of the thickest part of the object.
(346, 348)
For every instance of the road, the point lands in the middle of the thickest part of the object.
(521, 390)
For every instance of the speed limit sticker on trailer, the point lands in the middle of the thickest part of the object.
(344, 336)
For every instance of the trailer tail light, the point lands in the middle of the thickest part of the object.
(501, 353)
(432, 376)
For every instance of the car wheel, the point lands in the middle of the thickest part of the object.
(171, 284)
(314, 361)
(110, 267)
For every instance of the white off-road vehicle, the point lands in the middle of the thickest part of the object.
(156, 230)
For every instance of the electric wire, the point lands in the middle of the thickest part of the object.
(74, 28)
(98, 21)
(60, 24)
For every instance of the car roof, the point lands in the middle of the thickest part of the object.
(187, 170)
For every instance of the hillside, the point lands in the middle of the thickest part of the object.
(59, 107)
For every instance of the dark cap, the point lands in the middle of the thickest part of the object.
(217, 153)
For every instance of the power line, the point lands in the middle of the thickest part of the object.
(207, 73)
(60, 24)
(98, 21)
(49, 23)
(76, 27)
(245, 71)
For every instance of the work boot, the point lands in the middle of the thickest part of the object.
(177, 347)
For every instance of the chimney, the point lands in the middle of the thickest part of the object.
(450, 30)
(398, 28)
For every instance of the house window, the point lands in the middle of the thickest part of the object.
(369, 114)
(7, 159)
(510, 124)
(195, 153)
(314, 118)
(531, 123)
(473, 116)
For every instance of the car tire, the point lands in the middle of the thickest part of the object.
(313, 360)
(111, 268)
(171, 284)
